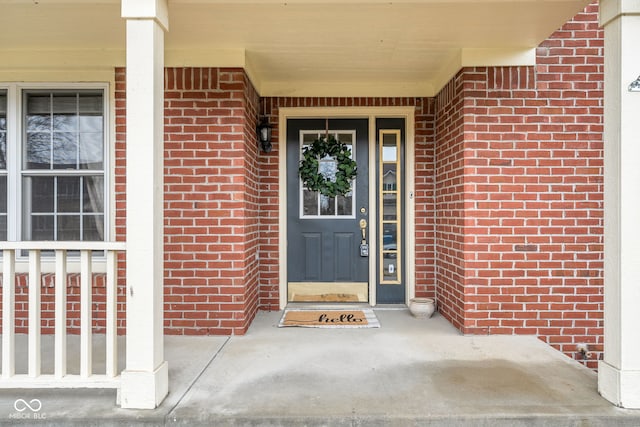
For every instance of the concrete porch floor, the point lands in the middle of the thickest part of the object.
(409, 372)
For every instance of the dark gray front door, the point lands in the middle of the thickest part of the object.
(324, 261)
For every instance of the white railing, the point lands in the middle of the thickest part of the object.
(61, 378)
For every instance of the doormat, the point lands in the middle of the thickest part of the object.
(355, 318)
(324, 298)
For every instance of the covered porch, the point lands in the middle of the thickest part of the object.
(407, 372)
(65, 41)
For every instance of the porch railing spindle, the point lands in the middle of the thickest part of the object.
(85, 313)
(34, 313)
(61, 314)
(8, 313)
(111, 315)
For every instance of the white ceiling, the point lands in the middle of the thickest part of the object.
(296, 47)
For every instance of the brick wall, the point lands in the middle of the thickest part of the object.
(211, 198)
(47, 304)
(425, 210)
(252, 188)
(532, 192)
(449, 201)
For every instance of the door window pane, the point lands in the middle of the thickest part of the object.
(345, 138)
(389, 148)
(328, 168)
(390, 236)
(313, 203)
(310, 203)
(345, 205)
(390, 207)
(390, 267)
(389, 178)
(327, 205)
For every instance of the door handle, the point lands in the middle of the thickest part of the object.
(364, 247)
(363, 229)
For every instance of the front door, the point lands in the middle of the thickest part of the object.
(325, 260)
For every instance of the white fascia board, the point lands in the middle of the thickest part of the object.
(346, 89)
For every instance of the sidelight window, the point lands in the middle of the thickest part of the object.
(390, 203)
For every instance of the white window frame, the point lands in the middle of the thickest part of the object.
(15, 135)
(6, 170)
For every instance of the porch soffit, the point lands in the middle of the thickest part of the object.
(294, 47)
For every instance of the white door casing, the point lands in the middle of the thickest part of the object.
(371, 113)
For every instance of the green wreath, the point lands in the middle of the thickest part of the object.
(346, 167)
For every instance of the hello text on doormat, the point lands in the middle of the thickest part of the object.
(364, 318)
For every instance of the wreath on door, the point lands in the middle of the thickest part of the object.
(329, 183)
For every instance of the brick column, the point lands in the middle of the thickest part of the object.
(145, 379)
(619, 372)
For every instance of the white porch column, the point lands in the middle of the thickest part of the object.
(619, 372)
(145, 379)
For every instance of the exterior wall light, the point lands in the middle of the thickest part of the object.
(635, 85)
(264, 135)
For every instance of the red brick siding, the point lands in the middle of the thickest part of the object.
(211, 194)
(47, 304)
(119, 180)
(449, 201)
(425, 209)
(252, 202)
(268, 252)
(533, 193)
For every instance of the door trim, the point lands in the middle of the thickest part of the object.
(370, 113)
